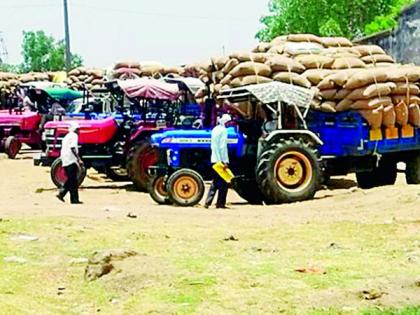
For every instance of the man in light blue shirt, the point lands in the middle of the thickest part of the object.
(219, 153)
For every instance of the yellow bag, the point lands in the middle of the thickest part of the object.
(224, 172)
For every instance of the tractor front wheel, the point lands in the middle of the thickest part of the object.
(140, 158)
(289, 171)
(12, 147)
(157, 190)
(59, 176)
(185, 188)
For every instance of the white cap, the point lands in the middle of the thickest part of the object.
(225, 119)
(73, 126)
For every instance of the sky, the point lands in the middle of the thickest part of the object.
(173, 32)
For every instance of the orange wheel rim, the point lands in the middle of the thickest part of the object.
(160, 186)
(293, 171)
(185, 187)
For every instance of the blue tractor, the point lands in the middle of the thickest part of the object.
(286, 156)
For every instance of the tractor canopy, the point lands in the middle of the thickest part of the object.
(150, 89)
(268, 93)
(63, 94)
(189, 84)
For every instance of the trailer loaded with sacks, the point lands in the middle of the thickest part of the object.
(289, 155)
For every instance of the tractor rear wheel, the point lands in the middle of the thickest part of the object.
(248, 190)
(58, 174)
(140, 158)
(12, 147)
(289, 171)
(116, 173)
(383, 175)
(157, 190)
(185, 188)
(412, 170)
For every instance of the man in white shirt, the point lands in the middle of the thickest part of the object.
(219, 153)
(71, 161)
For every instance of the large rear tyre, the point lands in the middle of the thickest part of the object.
(412, 170)
(185, 188)
(59, 177)
(116, 173)
(383, 175)
(12, 147)
(140, 158)
(248, 190)
(157, 190)
(288, 171)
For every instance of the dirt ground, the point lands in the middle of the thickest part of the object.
(341, 216)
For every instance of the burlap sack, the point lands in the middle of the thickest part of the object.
(371, 91)
(232, 63)
(344, 105)
(341, 51)
(373, 117)
(217, 76)
(74, 78)
(379, 65)
(279, 40)
(328, 94)
(262, 47)
(97, 73)
(308, 38)
(277, 50)
(389, 119)
(248, 80)
(364, 77)
(282, 63)
(410, 99)
(152, 70)
(401, 111)
(366, 50)
(404, 74)
(226, 80)
(328, 107)
(336, 42)
(172, 70)
(414, 115)
(121, 71)
(246, 56)
(347, 63)
(372, 104)
(315, 61)
(26, 78)
(342, 93)
(219, 62)
(301, 48)
(250, 68)
(14, 82)
(126, 64)
(89, 79)
(74, 72)
(377, 58)
(404, 88)
(317, 75)
(338, 78)
(291, 78)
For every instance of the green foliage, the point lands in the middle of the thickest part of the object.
(5, 67)
(349, 18)
(43, 53)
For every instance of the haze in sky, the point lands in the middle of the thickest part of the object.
(170, 31)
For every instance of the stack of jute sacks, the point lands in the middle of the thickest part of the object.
(345, 77)
(8, 82)
(133, 69)
(81, 78)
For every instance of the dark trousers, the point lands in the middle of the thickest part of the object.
(71, 185)
(218, 185)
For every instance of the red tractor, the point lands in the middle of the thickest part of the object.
(119, 145)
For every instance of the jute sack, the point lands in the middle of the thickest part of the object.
(250, 68)
(413, 99)
(279, 40)
(401, 111)
(246, 56)
(373, 117)
(336, 42)
(89, 79)
(364, 77)
(232, 63)
(343, 51)
(73, 78)
(151, 71)
(344, 105)
(366, 50)
(97, 82)
(74, 72)
(217, 76)
(377, 58)
(380, 65)
(125, 64)
(342, 93)
(372, 104)
(219, 62)
(317, 75)
(282, 63)
(328, 107)
(373, 90)
(121, 71)
(389, 119)
(307, 38)
(291, 78)
(97, 73)
(339, 78)
(301, 48)
(226, 80)
(328, 94)
(277, 50)
(347, 63)
(404, 88)
(172, 70)
(26, 78)
(414, 115)
(249, 79)
(262, 47)
(315, 61)
(404, 74)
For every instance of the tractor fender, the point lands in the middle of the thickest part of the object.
(303, 134)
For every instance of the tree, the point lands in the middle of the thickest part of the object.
(43, 53)
(349, 18)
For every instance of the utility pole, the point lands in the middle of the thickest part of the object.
(67, 36)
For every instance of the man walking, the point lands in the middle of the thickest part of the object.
(71, 161)
(219, 153)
